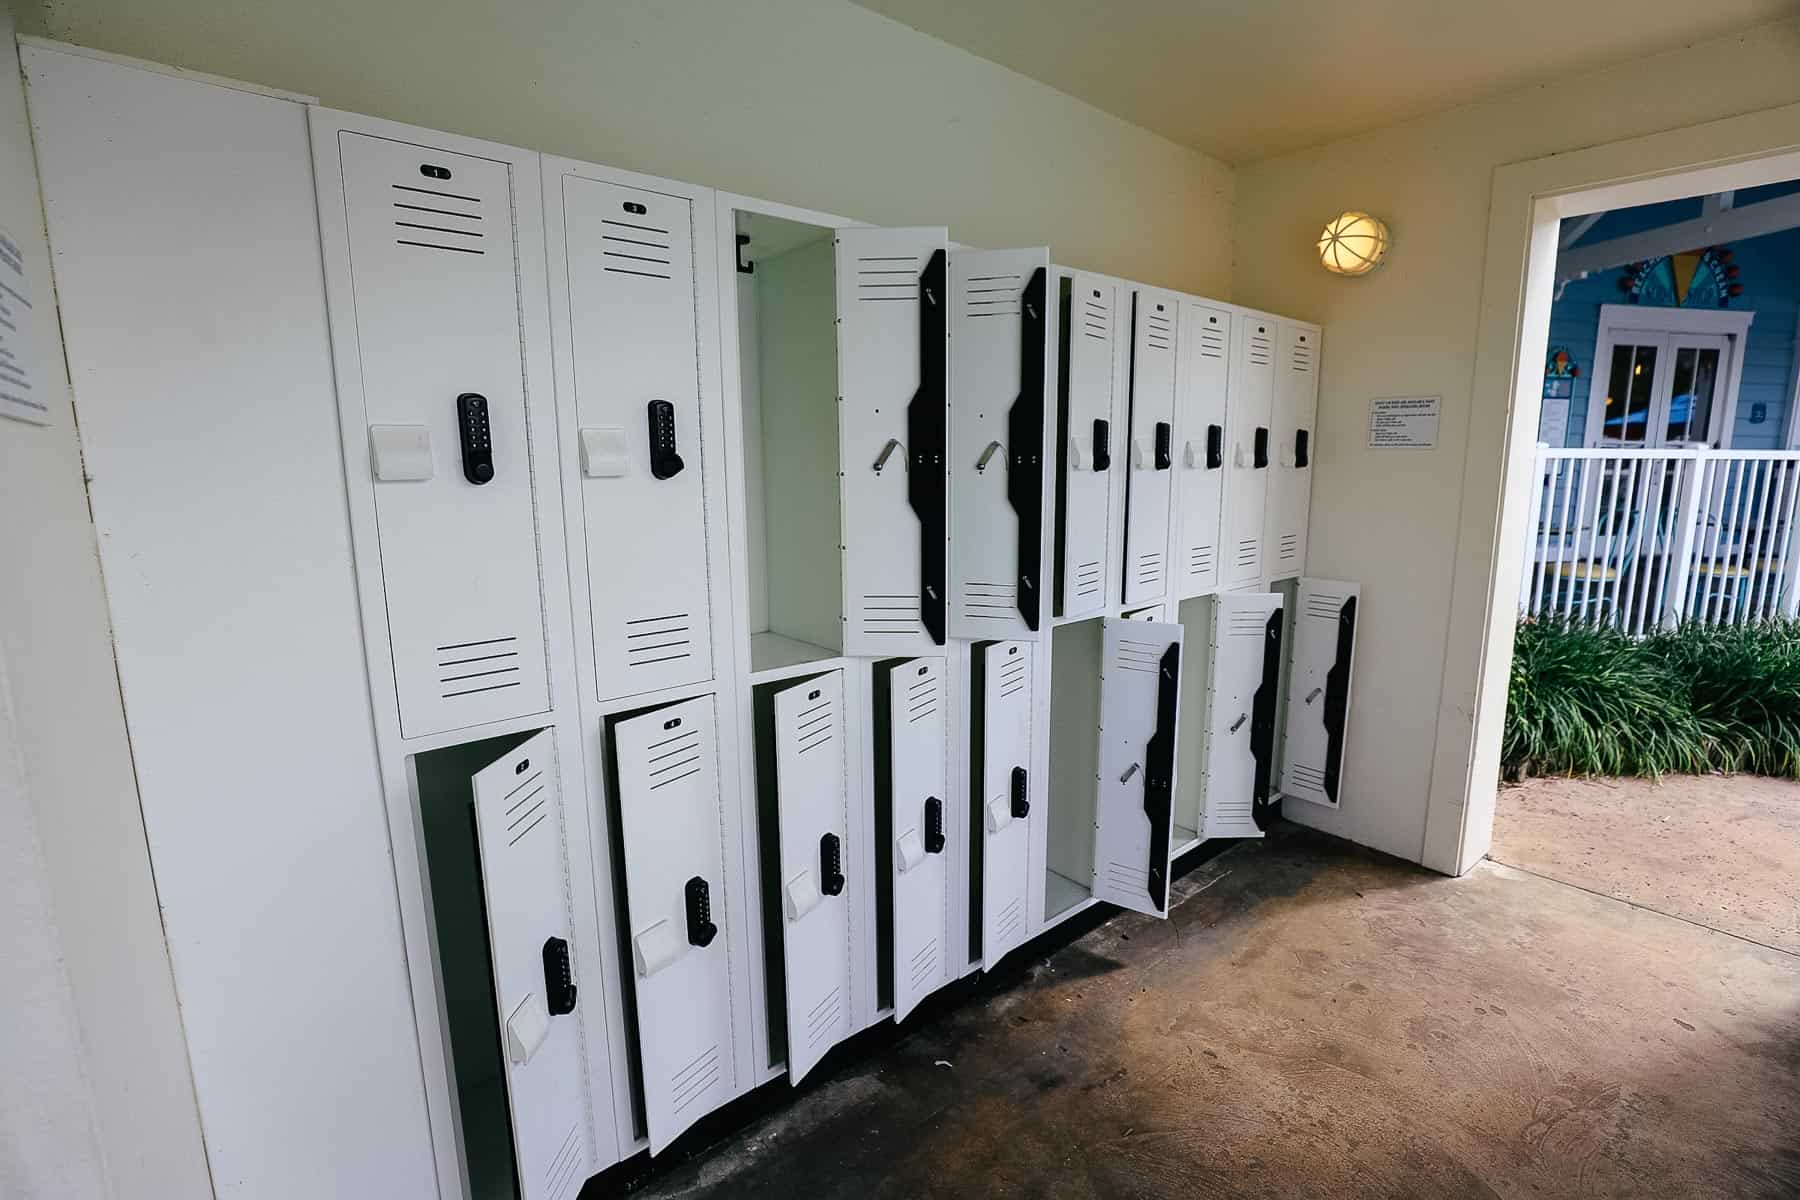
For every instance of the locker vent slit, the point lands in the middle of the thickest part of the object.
(635, 252)
(888, 277)
(483, 665)
(562, 1168)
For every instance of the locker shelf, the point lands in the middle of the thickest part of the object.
(1062, 894)
(1185, 839)
(773, 656)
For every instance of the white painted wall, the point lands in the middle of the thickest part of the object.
(75, 878)
(1390, 518)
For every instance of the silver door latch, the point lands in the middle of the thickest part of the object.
(1129, 772)
(1239, 723)
(987, 455)
(1313, 695)
(887, 452)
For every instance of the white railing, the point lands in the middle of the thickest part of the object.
(1645, 539)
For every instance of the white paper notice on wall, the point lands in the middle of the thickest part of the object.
(20, 396)
(1404, 422)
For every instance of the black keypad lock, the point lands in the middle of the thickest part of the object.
(1215, 447)
(1165, 446)
(1021, 800)
(559, 978)
(1102, 445)
(701, 930)
(831, 865)
(934, 826)
(665, 462)
(1262, 447)
(1302, 451)
(476, 436)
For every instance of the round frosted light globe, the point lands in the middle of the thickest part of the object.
(1353, 244)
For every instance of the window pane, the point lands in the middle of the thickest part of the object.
(1706, 384)
(1637, 411)
(1681, 398)
(1618, 389)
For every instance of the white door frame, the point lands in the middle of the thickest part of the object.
(1619, 321)
(1529, 201)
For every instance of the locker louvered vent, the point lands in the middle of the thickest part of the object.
(814, 727)
(896, 612)
(651, 640)
(925, 965)
(921, 701)
(1139, 656)
(1200, 559)
(1249, 552)
(993, 295)
(526, 808)
(1247, 624)
(1324, 606)
(470, 668)
(562, 1177)
(675, 758)
(1159, 329)
(430, 219)
(1288, 549)
(1012, 677)
(1302, 358)
(1262, 348)
(641, 250)
(1150, 568)
(1009, 921)
(1096, 317)
(822, 1021)
(887, 277)
(1126, 877)
(990, 601)
(694, 1079)
(1212, 339)
(1307, 777)
(1087, 578)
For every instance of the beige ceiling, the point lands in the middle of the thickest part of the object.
(1244, 79)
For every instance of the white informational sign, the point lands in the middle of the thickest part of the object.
(1404, 422)
(1553, 421)
(18, 374)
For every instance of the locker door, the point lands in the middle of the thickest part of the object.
(438, 325)
(677, 912)
(1319, 689)
(1134, 808)
(1200, 468)
(524, 876)
(1249, 410)
(1003, 748)
(893, 297)
(1290, 477)
(815, 857)
(1240, 715)
(635, 360)
(1150, 453)
(999, 346)
(1087, 328)
(920, 829)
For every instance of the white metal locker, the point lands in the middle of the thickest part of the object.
(1200, 467)
(1150, 444)
(893, 301)
(438, 329)
(1319, 690)
(1296, 405)
(680, 924)
(1004, 683)
(1134, 806)
(1249, 410)
(519, 826)
(916, 706)
(1086, 382)
(1000, 324)
(1240, 718)
(634, 359)
(811, 785)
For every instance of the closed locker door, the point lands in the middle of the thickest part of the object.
(912, 764)
(1318, 704)
(999, 346)
(438, 327)
(1003, 685)
(1134, 808)
(893, 374)
(1290, 478)
(1200, 467)
(1151, 444)
(635, 362)
(1086, 376)
(681, 928)
(1249, 410)
(1240, 717)
(519, 828)
(811, 787)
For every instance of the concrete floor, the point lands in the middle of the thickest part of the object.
(1316, 1020)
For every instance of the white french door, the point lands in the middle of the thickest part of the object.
(1665, 377)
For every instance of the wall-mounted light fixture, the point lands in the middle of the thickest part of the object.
(1353, 244)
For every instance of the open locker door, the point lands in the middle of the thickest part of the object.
(1249, 411)
(1240, 719)
(911, 771)
(1290, 479)
(524, 876)
(1001, 774)
(1150, 444)
(1000, 325)
(1200, 469)
(810, 781)
(681, 928)
(1134, 810)
(1319, 689)
(893, 311)
(1088, 329)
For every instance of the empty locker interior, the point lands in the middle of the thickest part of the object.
(787, 355)
(1074, 766)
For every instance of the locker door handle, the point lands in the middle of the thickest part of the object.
(1164, 446)
(1215, 447)
(1102, 445)
(1020, 794)
(1137, 453)
(831, 865)
(925, 449)
(1302, 455)
(665, 461)
(1262, 447)
(700, 928)
(1238, 456)
(987, 456)
(559, 978)
(934, 826)
(477, 437)
(887, 452)
(1025, 436)
(1189, 459)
